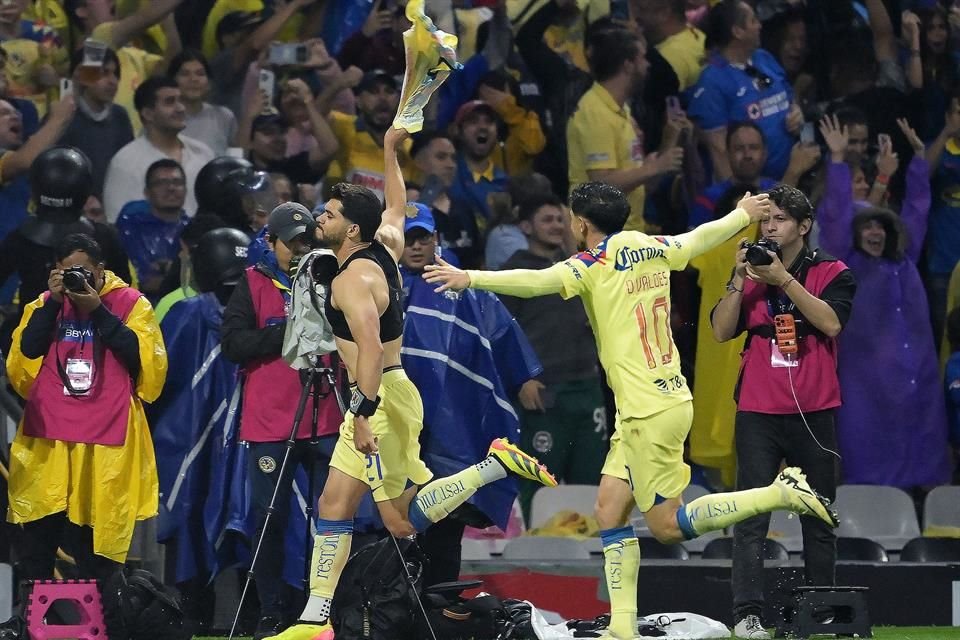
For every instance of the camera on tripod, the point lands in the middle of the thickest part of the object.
(75, 277)
(757, 251)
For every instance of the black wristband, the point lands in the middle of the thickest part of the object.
(361, 405)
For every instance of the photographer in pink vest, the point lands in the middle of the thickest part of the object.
(86, 356)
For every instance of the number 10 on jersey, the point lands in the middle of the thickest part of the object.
(655, 321)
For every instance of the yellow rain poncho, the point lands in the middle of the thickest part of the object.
(107, 488)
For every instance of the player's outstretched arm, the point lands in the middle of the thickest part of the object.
(390, 233)
(750, 209)
(521, 283)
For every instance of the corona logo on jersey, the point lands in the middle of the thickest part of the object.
(431, 55)
(627, 257)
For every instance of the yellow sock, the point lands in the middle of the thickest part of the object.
(331, 548)
(621, 565)
(437, 499)
(717, 511)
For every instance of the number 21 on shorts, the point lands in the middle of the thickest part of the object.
(374, 471)
(656, 321)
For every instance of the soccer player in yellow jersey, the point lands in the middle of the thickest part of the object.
(624, 282)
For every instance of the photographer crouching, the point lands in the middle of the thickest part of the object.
(86, 355)
(788, 388)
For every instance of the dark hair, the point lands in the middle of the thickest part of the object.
(609, 49)
(145, 96)
(163, 163)
(953, 329)
(728, 201)
(733, 127)
(76, 58)
(792, 202)
(197, 227)
(185, 56)
(721, 20)
(361, 206)
(850, 115)
(527, 208)
(78, 242)
(423, 139)
(894, 244)
(775, 28)
(606, 207)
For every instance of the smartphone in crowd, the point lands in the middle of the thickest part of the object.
(808, 134)
(66, 87)
(268, 84)
(288, 54)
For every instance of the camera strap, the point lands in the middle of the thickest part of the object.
(76, 374)
(778, 302)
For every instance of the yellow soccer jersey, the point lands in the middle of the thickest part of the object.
(625, 287)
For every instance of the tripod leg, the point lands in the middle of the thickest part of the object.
(298, 417)
(315, 385)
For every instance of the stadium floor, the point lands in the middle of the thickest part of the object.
(879, 633)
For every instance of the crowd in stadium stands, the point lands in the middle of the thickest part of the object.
(202, 114)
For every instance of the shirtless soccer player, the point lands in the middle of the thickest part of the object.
(624, 281)
(378, 448)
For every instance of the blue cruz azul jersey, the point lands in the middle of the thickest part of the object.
(758, 92)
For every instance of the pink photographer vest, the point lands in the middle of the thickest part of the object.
(766, 389)
(100, 416)
(271, 388)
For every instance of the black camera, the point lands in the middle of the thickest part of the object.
(757, 251)
(75, 277)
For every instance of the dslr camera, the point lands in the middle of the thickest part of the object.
(75, 276)
(757, 251)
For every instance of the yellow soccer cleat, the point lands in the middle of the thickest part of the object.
(306, 631)
(515, 461)
(801, 497)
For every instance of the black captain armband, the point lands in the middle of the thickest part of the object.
(361, 405)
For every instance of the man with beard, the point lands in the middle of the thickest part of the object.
(604, 141)
(360, 158)
(477, 176)
(747, 155)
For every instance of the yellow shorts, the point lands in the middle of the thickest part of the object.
(648, 453)
(396, 424)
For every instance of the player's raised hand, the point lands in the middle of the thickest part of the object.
(757, 207)
(447, 276)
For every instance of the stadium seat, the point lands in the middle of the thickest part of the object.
(545, 548)
(884, 514)
(567, 497)
(860, 550)
(941, 509)
(653, 549)
(785, 528)
(722, 549)
(931, 550)
(472, 549)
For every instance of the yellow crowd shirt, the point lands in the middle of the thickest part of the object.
(603, 135)
(360, 158)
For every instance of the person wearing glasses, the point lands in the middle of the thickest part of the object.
(150, 229)
(742, 82)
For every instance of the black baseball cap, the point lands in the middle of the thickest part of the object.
(376, 77)
(238, 21)
(289, 220)
(272, 119)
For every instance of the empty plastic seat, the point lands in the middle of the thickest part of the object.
(941, 510)
(860, 550)
(785, 528)
(884, 514)
(544, 548)
(931, 550)
(722, 549)
(473, 549)
(567, 497)
(653, 549)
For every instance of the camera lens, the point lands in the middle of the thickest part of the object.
(73, 281)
